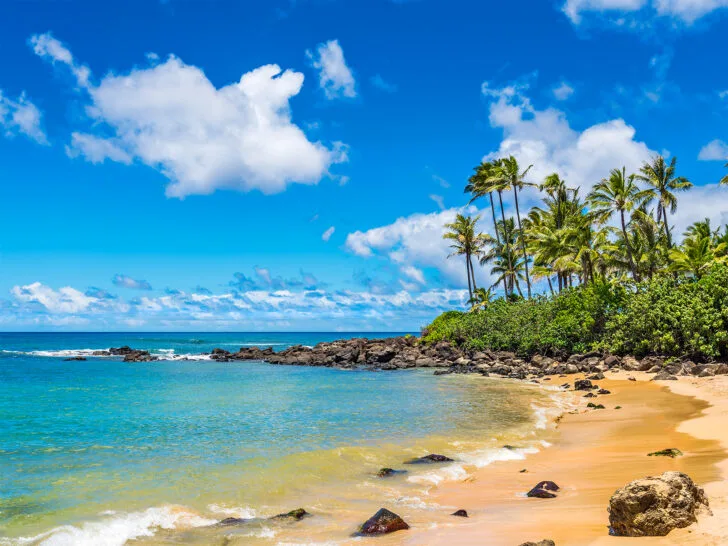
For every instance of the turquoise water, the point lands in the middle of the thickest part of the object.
(101, 451)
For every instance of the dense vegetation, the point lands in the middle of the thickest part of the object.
(612, 275)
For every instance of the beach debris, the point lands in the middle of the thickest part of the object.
(460, 513)
(545, 542)
(388, 472)
(592, 405)
(543, 490)
(295, 515)
(382, 523)
(604, 391)
(664, 376)
(429, 459)
(671, 452)
(654, 506)
(583, 385)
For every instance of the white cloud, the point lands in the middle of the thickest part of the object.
(124, 281)
(708, 201)
(546, 140)
(715, 150)
(328, 233)
(414, 241)
(685, 11)
(562, 91)
(64, 300)
(380, 83)
(169, 116)
(335, 77)
(439, 200)
(20, 116)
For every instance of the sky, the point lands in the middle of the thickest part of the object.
(288, 165)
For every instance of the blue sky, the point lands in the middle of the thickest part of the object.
(288, 164)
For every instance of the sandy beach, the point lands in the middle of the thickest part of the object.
(595, 453)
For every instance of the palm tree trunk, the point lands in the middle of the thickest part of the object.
(505, 230)
(497, 235)
(467, 268)
(518, 286)
(561, 281)
(523, 241)
(667, 228)
(472, 272)
(629, 247)
(551, 286)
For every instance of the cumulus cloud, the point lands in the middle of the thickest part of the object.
(262, 279)
(545, 139)
(562, 91)
(63, 300)
(708, 201)
(328, 233)
(21, 116)
(124, 281)
(335, 77)
(414, 242)
(715, 150)
(685, 11)
(383, 85)
(170, 117)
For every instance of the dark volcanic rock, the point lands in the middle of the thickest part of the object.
(139, 356)
(294, 515)
(101, 353)
(656, 505)
(232, 521)
(604, 391)
(664, 376)
(545, 542)
(429, 459)
(460, 513)
(382, 523)
(543, 490)
(75, 359)
(671, 452)
(388, 472)
(583, 385)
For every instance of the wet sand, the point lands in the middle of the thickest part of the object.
(597, 452)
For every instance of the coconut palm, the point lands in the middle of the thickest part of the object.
(509, 175)
(695, 256)
(724, 180)
(465, 242)
(619, 193)
(507, 267)
(481, 298)
(662, 182)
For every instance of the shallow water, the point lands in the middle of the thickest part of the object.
(102, 452)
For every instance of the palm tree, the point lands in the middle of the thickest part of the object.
(481, 298)
(662, 181)
(724, 180)
(618, 193)
(695, 256)
(466, 242)
(508, 174)
(508, 269)
(481, 184)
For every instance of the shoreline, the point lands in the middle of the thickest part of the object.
(595, 453)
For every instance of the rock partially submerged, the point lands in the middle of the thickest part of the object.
(543, 490)
(656, 505)
(389, 472)
(382, 523)
(429, 459)
(670, 452)
(294, 515)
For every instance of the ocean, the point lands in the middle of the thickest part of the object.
(103, 452)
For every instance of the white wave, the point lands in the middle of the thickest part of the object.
(233, 511)
(61, 353)
(116, 529)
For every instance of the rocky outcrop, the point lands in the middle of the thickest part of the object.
(656, 505)
(429, 459)
(389, 472)
(382, 523)
(294, 515)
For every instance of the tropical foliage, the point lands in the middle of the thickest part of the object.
(601, 270)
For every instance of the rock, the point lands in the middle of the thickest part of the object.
(655, 505)
(101, 353)
(232, 521)
(604, 391)
(583, 385)
(388, 472)
(460, 513)
(295, 515)
(121, 351)
(721, 369)
(594, 406)
(631, 379)
(382, 523)
(596, 376)
(545, 542)
(429, 459)
(75, 359)
(590, 395)
(671, 452)
(612, 361)
(543, 490)
(664, 376)
(633, 365)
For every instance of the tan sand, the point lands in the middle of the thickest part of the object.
(596, 452)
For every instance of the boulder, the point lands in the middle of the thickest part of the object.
(631, 364)
(583, 385)
(460, 513)
(389, 472)
(543, 490)
(75, 359)
(656, 505)
(382, 523)
(604, 391)
(294, 515)
(664, 376)
(429, 459)
(545, 542)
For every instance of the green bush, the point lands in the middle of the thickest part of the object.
(667, 316)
